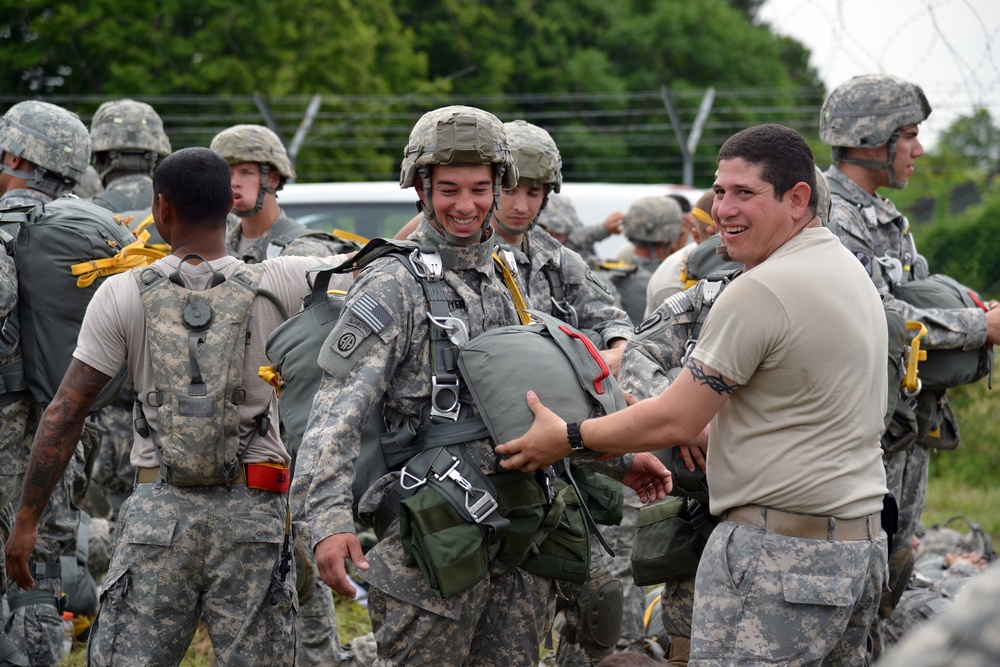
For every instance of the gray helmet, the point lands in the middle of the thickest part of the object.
(535, 153)
(559, 217)
(131, 133)
(653, 219)
(867, 112)
(255, 143)
(823, 197)
(52, 138)
(458, 135)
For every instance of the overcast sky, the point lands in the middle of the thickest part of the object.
(951, 48)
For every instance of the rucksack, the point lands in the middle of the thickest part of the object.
(197, 340)
(948, 368)
(293, 349)
(64, 249)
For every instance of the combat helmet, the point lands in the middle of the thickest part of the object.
(52, 138)
(653, 220)
(127, 136)
(458, 135)
(559, 217)
(868, 111)
(537, 158)
(822, 197)
(255, 143)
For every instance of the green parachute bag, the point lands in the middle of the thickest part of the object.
(948, 368)
(64, 250)
(668, 541)
(564, 554)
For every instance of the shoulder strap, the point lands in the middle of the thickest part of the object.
(554, 276)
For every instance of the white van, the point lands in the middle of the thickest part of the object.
(381, 208)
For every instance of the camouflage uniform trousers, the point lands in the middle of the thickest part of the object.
(763, 598)
(17, 423)
(317, 642)
(112, 477)
(37, 629)
(631, 637)
(499, 621)
(186, 553)
(968, 635)
(676, 607)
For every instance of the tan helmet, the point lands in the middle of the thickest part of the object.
(50, 137)
(823, 197)
(128, 135)
(255, 143)
(458, 135)
(535, 153)
(868, 111)
(654, 219)
(559, 217)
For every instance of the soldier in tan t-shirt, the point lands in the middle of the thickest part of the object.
(793, 383)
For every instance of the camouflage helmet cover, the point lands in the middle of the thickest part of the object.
(128, 125)
(535, 153)
(458, 135)
(253, 143)
(48, 136)
(653, 219)
(866, 111)
(822, 197)
(559, 216)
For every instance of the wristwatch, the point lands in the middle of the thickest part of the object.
(577, 448)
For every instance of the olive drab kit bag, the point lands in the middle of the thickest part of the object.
(64, 249)
(197, 340)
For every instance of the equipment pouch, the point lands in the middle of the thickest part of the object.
(522, 502)
(942, 431)
(449, 550)
(565, 553)
(668, 544)
(890, 518)
(604, 497)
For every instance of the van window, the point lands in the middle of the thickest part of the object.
(367, 219)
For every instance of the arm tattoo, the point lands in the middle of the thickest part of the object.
(716, 383)
(57, 434)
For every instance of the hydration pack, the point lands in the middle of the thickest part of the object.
(197, 340)
(64, 249)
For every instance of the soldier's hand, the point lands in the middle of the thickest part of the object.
(649, 478)
(613, 358)
(543, 444)
(20, 544)
(613, 223)
(993, 323)
(331, 553)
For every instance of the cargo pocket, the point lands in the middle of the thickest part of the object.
(817, 590)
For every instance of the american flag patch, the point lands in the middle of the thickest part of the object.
(371, 312)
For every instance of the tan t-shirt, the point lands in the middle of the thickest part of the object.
(114, 333)
(805, 334)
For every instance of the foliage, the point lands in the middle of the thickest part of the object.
(967, 245)
(975, 139)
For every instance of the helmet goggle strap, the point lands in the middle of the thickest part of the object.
(129, 161)
(471, 239)
(890, 171)
(265, 187)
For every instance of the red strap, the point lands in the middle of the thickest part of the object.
(605, 371)
(267, 477)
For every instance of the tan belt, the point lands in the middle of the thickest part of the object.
(806, 526)
(151, 475)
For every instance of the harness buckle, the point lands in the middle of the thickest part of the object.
(440, 390)
(457, 332)
(405, 475)
(567, 310)
(427, 265)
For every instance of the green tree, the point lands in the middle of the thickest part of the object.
(976, 138)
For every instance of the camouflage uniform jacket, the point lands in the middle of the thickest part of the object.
(593, 301)
(269, 245)
(133, 192)
(582, 241)
(872, 229)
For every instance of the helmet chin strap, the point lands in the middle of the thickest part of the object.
(265, 170)
(887, 166)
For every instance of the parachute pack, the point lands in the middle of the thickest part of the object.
(948, 368)
(64, 250)
(199, 336)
